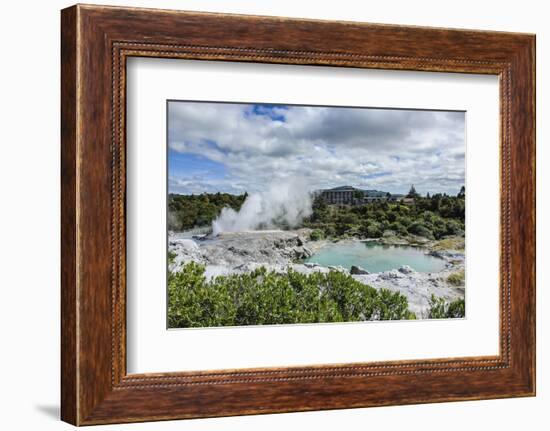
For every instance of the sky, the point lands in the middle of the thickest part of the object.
(233, 148)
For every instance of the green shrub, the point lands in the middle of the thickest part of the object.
(437, 308)
(171, 256)
(456, 278)
(329, 230)
(262, 298)
(432, 217)
(316, 235)
(438, 227)
(398, 228)
(405, 221)
(440, 309)
(454, 227)
(429, 217)
(417, 228)
(456, 309)
(372, 229)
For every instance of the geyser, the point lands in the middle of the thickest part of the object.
(283, 205)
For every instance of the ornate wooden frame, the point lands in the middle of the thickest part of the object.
(95, 42)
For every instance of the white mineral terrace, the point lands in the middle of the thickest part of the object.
(276, 250)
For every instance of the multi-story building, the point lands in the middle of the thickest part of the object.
(348, 195)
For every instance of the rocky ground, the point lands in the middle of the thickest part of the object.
(279, 251)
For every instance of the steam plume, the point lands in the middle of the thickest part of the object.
(284, 205)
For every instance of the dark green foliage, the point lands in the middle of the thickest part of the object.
(189, 211)
(346, 222)
(454, 227)
(419, 228)
(398, 228)
(456, 309)
(432, 217)
(171, 256)
(371, 229)
(440, 309)
(267, 298)
(412, 193)
(316, 235)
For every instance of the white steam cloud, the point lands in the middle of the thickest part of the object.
(284, 205)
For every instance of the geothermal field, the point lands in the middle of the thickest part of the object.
(239, 242)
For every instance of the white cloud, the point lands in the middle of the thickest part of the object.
(371, 148)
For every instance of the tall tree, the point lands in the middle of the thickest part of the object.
(412, 192)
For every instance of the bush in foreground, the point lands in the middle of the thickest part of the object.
(266, 298)
(440, 309)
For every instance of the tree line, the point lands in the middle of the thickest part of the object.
(433, 217)
(190, 211)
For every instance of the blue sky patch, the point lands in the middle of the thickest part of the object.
(190, 165)
(273, 112)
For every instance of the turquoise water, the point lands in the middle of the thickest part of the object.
(376, 257)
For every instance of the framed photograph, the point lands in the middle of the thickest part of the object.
(265, 215)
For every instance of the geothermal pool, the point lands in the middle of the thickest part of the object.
(376, 257)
